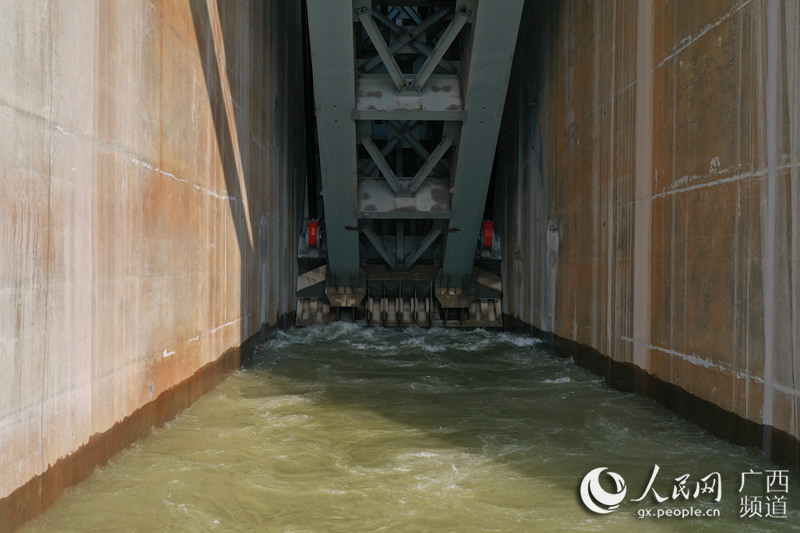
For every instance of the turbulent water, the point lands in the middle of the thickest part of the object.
(348, 429)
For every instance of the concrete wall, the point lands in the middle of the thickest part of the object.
(151, 155)
(650, 168)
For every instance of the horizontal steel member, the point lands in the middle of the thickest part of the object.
(432, 197)
(406, 215)
(378, 99)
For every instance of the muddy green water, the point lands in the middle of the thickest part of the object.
(348, 429)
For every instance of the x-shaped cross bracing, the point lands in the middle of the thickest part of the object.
(406, 37)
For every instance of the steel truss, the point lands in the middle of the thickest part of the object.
(409, 97)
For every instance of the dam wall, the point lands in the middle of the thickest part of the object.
(153, 156)
(648, 191)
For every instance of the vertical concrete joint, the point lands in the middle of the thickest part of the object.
(770, 215)
(643, 184)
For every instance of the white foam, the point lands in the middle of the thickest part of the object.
(522, 341)
(564, 379)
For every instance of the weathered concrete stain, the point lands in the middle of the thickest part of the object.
(643, 207)
(673, 127)
(770, 216)
(146, 141)
(44, 489)
(793, 107)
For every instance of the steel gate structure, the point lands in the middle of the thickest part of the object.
(409, 97)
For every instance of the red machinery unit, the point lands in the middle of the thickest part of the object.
(313, 233)
(487, 233)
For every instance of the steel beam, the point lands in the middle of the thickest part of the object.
(386, 55)
(376, 242)
(431, 200)
(383, 165)
(406, 39)
(407, 215)
(430, 163)
(467, 106)
(403, 132)
(413, 14)
(429, 239)
(420, 47)
(368, 166)
(494, 35)
(400, 241)
(442, 45)
(377, 99)
(331, 21)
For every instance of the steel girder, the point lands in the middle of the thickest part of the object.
(491, 54)
(409, 98)
(331, 34)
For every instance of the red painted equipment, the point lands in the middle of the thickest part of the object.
(487, 233)
(313, 233)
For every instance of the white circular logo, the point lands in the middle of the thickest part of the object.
(596, 498)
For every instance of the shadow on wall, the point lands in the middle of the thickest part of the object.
(250, 92)
(251, 55)
(521, 191)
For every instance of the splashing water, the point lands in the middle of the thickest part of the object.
(341, 428)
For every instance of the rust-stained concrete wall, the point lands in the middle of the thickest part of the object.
(150, 162)
(649, 184)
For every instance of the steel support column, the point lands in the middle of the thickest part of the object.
(331, 21)
(489, 68)
(413, 91)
